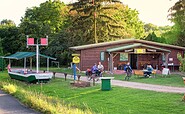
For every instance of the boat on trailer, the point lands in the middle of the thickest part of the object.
(26, 75)
(30, 77)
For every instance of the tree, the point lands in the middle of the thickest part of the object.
(9, 36)
(182, 62)
(46, 19)
(177, 15)
(1, 48)
(103, 20)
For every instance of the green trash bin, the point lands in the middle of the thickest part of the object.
(106, 83)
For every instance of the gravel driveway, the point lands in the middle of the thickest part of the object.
(136, 85)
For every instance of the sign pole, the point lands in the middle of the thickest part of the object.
(74, 71)
(37, 57)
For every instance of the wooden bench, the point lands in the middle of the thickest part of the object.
(139, 72)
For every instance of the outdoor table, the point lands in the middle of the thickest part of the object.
(106, 84)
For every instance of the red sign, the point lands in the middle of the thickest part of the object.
(44, 41)
(30, 41)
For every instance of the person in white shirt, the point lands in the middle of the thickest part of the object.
(100, 69)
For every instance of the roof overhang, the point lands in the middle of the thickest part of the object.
(21, 55)
(125, 41)
(135, 45)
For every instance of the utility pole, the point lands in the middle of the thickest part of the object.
(95, 37)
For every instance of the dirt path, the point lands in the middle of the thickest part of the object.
(10, 105)
(136, 85)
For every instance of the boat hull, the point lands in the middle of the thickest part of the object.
(31, 78)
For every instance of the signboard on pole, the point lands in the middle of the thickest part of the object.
(44, 41)
(76, 59)
(30, 42)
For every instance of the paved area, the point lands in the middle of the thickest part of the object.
(136, 85)
(10, 105)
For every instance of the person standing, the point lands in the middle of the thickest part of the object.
(128, 71)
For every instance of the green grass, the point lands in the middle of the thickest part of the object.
(171, 80)
(118, 100)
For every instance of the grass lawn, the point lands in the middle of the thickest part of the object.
(171, 80)
(117, 101)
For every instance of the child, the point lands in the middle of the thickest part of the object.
(128, 71)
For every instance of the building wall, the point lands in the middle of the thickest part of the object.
(92, 55)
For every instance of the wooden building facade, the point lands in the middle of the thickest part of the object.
(114, 55)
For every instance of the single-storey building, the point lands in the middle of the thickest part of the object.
(115, 54)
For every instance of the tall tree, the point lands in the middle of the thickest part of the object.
(1, 48)
(103, 20)
(9, 36)
(177, 15)
(46, 19)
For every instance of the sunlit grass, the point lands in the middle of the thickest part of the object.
(119, 100)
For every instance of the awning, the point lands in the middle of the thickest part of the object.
(131, 46)
(21, 55)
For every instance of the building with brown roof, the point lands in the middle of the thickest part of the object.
(115, 54)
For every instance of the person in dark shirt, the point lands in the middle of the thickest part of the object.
(128, 71)
(149, 71)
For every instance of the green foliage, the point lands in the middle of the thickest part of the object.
(1, 48)
(113, 21)
(48, 18)
(2, 64)
(9, 40)
(182, 62)
(177, 15)
(153, 37)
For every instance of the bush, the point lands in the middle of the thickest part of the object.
(182, 62)
(10, 88)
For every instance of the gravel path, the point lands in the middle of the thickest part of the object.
(136, 85)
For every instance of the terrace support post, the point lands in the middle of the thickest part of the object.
(65, 75)
(93, 77)
(24, 63)
(111, 62)
(54, 74)
(166, 59)
(47, 64)
(30, 63)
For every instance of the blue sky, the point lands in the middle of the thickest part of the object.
(151, 11)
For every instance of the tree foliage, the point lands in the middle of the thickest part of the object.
(182, 62)
(177, 15)
(113, 21)
(9, 37)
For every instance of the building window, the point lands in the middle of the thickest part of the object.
(123, 56)
(102, 56)
(163, 57)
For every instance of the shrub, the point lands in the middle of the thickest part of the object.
(10, 88)
(182, 62)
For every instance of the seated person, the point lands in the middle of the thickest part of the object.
(88, 72)
(94, 69)
(149, 71)
(100, 69)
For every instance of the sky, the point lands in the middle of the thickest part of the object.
(150, 11)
